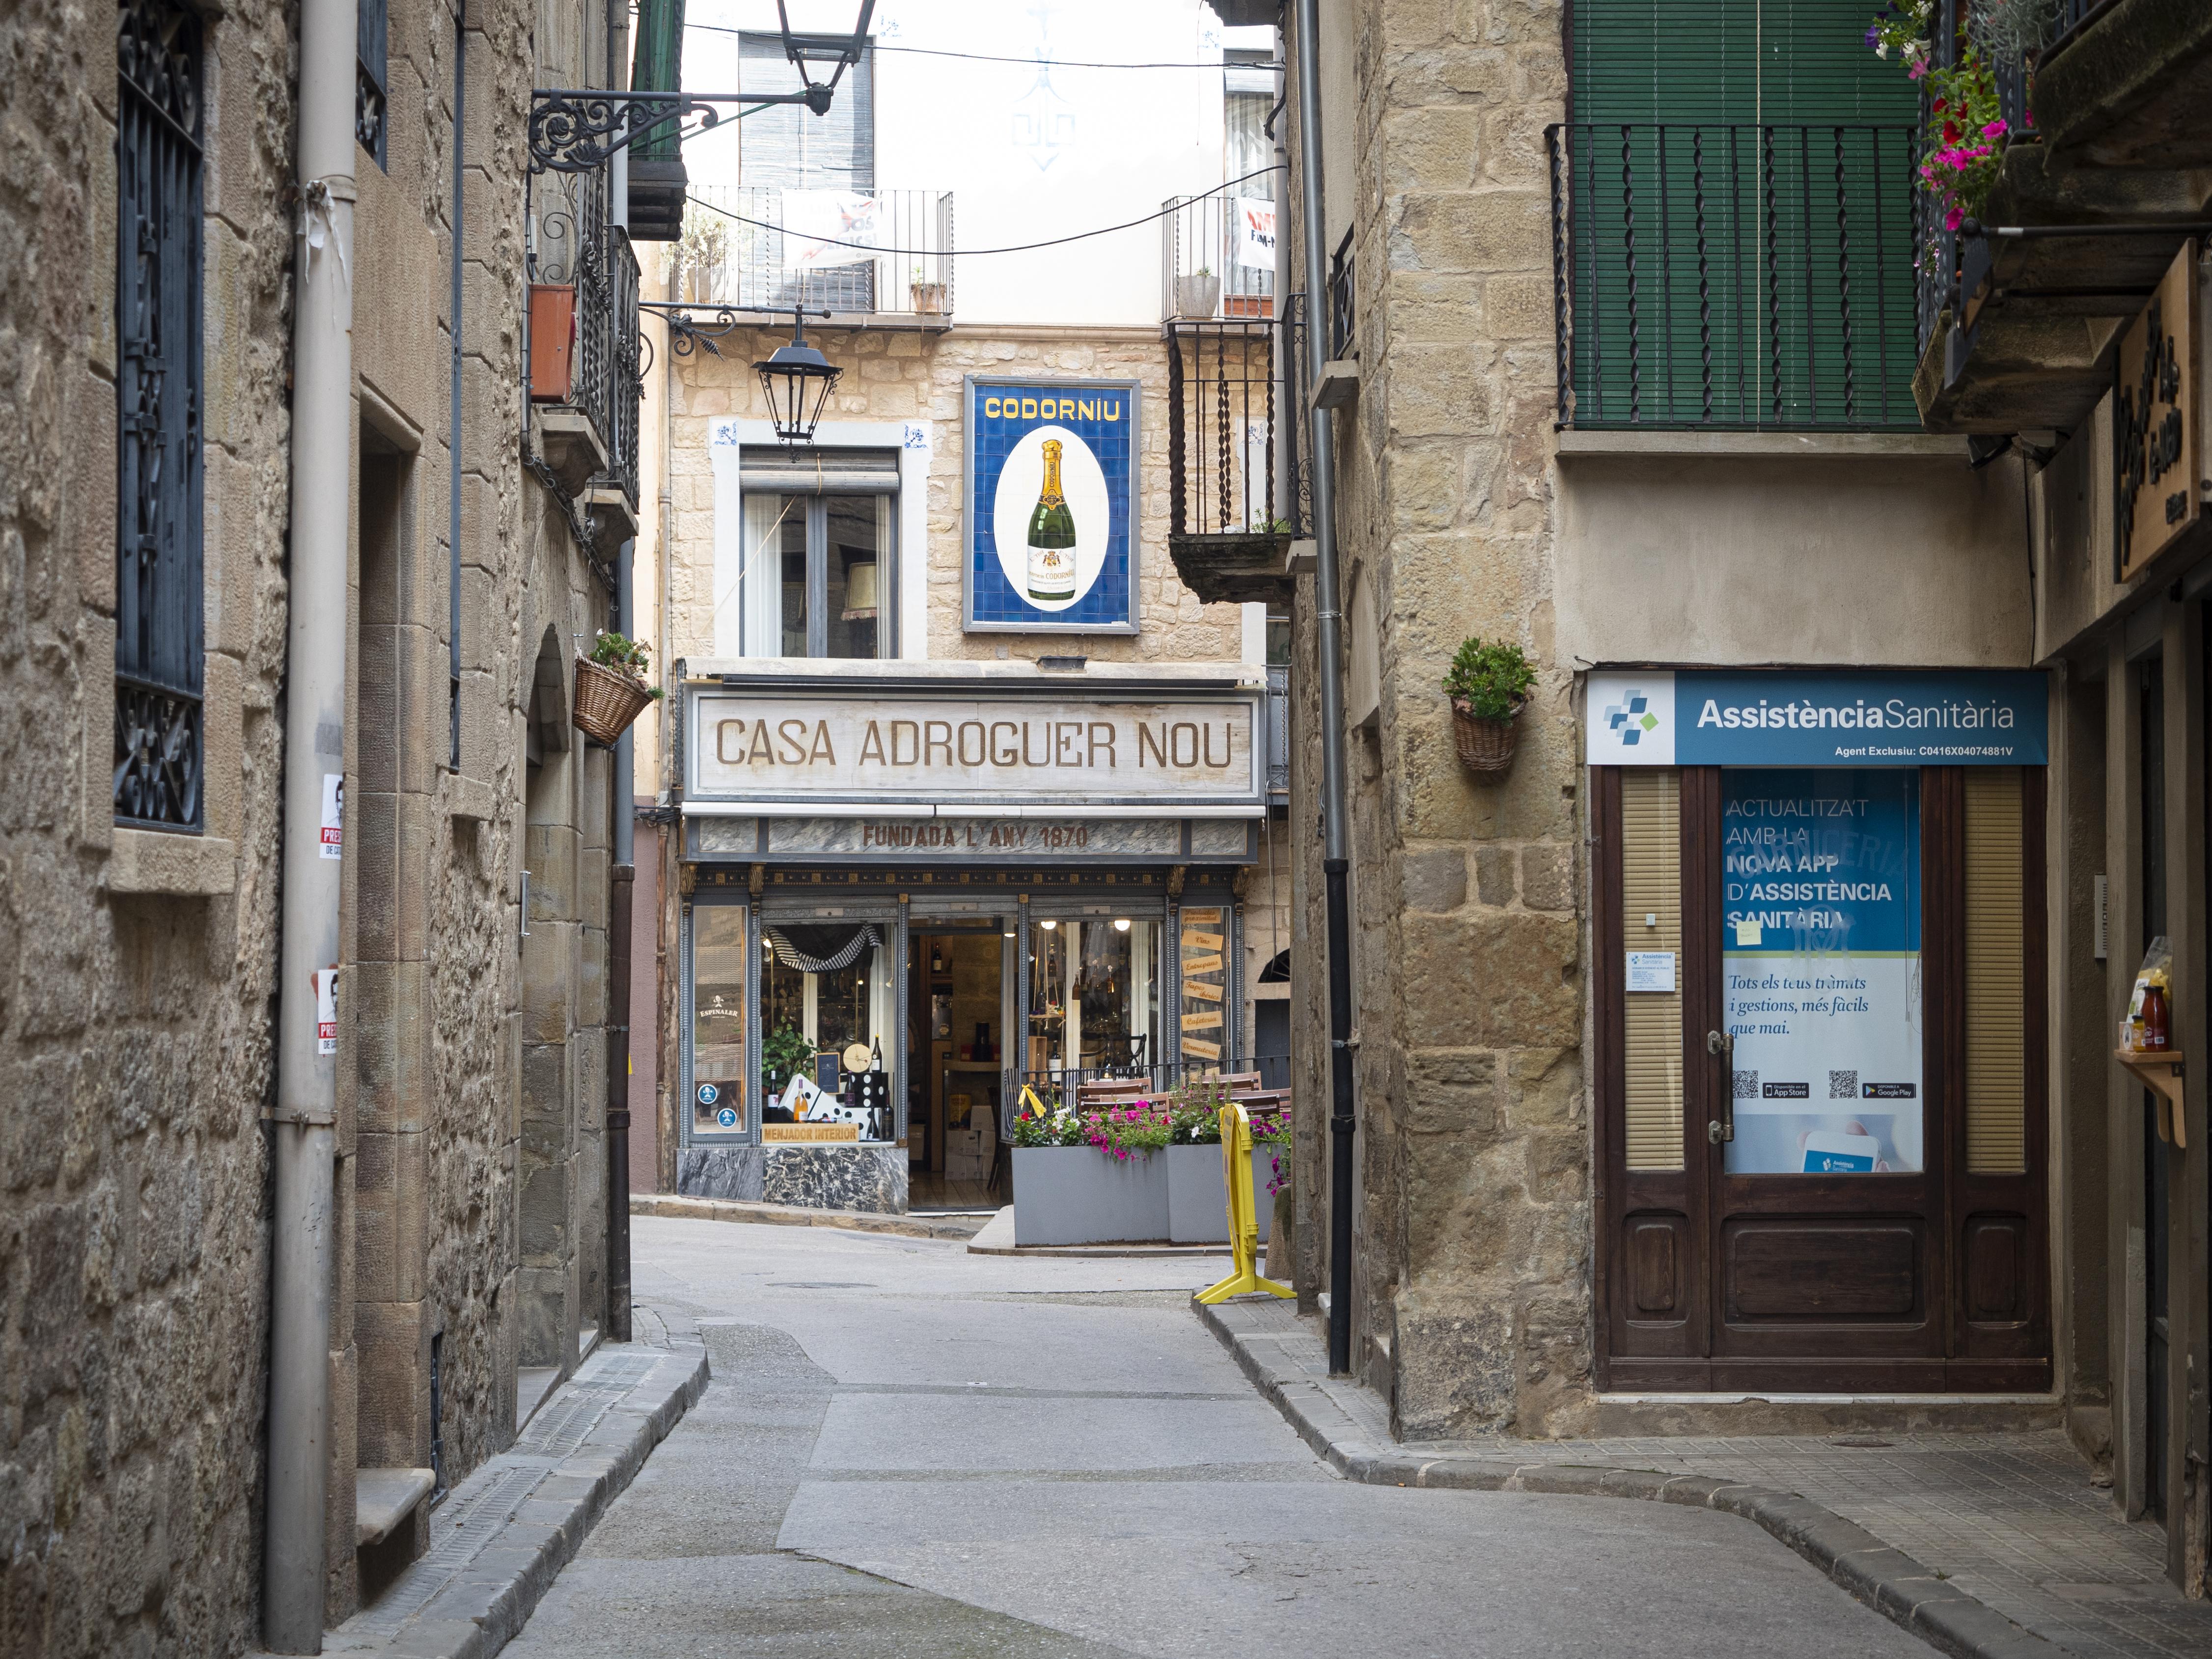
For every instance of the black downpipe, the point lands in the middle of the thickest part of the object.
(620, 889)
(453, 439)
(1337, 875)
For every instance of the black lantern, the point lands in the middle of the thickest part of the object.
(796, 380)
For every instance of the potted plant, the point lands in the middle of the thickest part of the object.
(928, 297)
(1094, 1176)
(784, 1053)
(612, 690)
(1487, 685)
(1198, 294)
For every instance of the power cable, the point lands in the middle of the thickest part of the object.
(992, 58)
(974, 253)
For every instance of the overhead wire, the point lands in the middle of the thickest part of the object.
(974, 253)
(995, 58)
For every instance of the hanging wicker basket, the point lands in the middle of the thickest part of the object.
(1484, 745)
(607, 700)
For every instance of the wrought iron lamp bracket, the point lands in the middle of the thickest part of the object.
(576, 130)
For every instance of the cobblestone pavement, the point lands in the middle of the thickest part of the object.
(2010, 1518)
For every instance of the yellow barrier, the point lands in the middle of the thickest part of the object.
(1243, 1218)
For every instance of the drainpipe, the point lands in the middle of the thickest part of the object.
(621, 890)
(1336, 862)
(304, 1133)
(453, 439)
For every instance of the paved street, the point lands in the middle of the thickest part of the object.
(907, 1450)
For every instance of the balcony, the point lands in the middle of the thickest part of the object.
(1710, 278)
(2093, 199)
(1217, 257)
(584, 360)
(1235, 491)
(867, 257)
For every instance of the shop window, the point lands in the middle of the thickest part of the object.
(1651, 923)
(823, 989)
(1094, 994)
(719, 962)
(1996, 958)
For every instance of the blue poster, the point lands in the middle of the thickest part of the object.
(1050, 473)
(1820, 963)
(1818, 717)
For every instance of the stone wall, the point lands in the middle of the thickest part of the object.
(1471, 1269)
(895, 376)
(137, 969)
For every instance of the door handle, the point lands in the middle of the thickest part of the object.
(1723, 1128)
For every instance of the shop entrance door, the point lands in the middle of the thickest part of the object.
(1819, 1165)
(957, 1026)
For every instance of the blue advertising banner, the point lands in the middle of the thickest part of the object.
(1820, 960)
(1686, 717)
(1049, 488)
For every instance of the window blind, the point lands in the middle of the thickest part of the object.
(1996, 1015)
(1652, 887)
(788, 147)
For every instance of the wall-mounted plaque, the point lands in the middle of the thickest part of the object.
(2157, 489)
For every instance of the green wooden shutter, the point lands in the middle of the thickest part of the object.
(1740, 233)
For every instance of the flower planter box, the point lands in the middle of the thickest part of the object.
(1197, 296)
(1078, 1195)
(1198, 1203)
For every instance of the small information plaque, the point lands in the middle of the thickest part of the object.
(1651, 970)
(811, 1133)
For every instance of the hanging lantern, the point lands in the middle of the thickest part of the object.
(796, 380)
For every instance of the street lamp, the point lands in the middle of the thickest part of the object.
(796, 380)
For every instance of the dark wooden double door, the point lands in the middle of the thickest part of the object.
(1928, 1281)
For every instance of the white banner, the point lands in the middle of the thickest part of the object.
(814, 221)
(1252, 241)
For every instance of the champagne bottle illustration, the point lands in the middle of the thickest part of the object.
(1052, 536)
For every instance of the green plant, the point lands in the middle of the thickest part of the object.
(624, 656)
(1492, 680)
(784, 1051)
(1967, 132)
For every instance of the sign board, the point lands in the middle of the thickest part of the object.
(1821, 964)
(1204, 1024)
(1038, 744)
(1658, 717)
(1049, 495)
(1651, 970)
(2157, 488)
(809, 1134)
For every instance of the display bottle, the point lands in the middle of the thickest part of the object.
(2154, 1017)
(1052, 536)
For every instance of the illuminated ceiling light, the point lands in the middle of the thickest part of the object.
(797, 382)
(1047, 924)
(1120, 924)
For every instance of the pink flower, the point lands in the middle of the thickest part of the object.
(1996, 129)
(1953, 218)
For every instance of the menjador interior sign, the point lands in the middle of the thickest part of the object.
(1699, 717)
(1036, 744)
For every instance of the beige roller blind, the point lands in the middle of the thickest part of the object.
(1651, 920)
(1996, 1036)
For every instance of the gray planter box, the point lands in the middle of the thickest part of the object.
(1198, 1204)
(1078, 1195)
(1197, 296)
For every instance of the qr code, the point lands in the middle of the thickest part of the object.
(1747, 1086)
(1842, 1086)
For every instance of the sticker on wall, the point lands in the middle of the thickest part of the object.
(326, 1009)
(1050, 547)
(333, 815)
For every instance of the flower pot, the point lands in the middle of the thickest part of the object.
(607, 700)
(928, 298)
(552, 340)
(1484, 745)
(1197, 296)
(1080, 1195)
(1197, 1201)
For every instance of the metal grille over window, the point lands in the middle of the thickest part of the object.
(158, 641)
(372, 58)
(1651, 926)
(1996, 1013)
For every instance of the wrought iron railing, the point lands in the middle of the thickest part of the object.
(1217, 257)
(578, 243)
(1221, 430)
(1298, 469)
(1733, 276)
(1343, 291)
(867, 251)
(1279, 729)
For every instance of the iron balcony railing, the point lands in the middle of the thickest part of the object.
(884, 252)
(1279, 731)
(1221, 430)
(576, 242)
(1734, 275)
(1217, 257)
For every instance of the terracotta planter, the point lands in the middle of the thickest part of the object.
(552, 340)
(606, 701)
(928, 298)
(1484, 745)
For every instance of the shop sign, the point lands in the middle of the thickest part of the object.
(1048, 490)
(2156, 489)
(791, 745)
(1820, 955)
(1656, 717)
(809, 1134)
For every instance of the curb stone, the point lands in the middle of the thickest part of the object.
(503, 1534)
(1885, 1579)
(682, 1208)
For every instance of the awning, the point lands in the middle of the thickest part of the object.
(822, 949)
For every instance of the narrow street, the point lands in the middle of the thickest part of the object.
(909, 1449)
